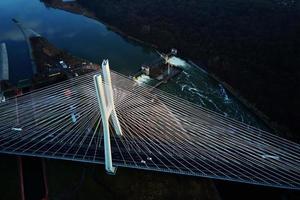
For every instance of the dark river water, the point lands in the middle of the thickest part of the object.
(92, 40)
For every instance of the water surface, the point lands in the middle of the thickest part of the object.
(90, 39)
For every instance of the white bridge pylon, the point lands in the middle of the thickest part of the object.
(104, 93)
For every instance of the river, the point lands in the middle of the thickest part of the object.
(92, 40)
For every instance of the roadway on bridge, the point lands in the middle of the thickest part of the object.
(161, 133)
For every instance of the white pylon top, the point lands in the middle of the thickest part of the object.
(105, 98)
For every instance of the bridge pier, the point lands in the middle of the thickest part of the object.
(105, 99)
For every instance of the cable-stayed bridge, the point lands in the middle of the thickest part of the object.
(160, 132)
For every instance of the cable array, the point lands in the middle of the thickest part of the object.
(161, 132)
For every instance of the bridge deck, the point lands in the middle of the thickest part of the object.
(161, 133)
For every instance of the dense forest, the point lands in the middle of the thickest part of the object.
(253, 45)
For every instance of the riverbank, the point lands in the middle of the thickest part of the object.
(70, 6)
(55, 65)
(76, 8)
(242, 53)
(52, 66)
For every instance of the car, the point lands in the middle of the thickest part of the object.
(16, 129)
(143, 161)
(63, 64)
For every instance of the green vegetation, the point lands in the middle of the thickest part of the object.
(253, 45)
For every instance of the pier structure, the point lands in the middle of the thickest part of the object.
(105, 99)
(161, 69)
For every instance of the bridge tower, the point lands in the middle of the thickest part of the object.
(105, 99)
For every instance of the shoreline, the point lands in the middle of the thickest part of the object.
(78, 10)
(277, 129)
